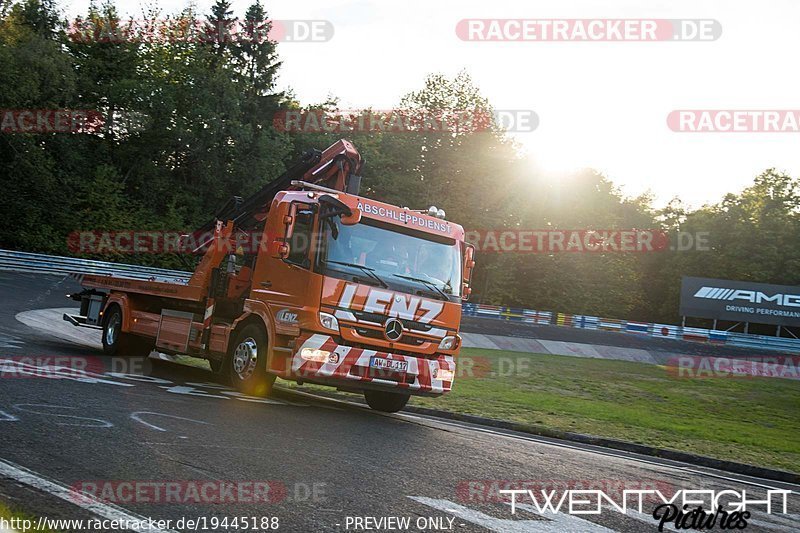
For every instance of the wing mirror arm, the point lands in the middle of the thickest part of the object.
(332, 206)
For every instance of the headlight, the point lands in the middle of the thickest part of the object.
(313, 354)
(329, 321)
(448, 343)
(444, 374)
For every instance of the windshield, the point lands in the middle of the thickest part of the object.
(383, 256)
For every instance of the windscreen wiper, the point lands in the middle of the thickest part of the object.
(367, 270)
(427, 283)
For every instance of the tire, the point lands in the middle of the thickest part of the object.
(247, 361)
(117, 342)
(387, 402)
(216, 365)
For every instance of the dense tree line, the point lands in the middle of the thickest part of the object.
(189, 122)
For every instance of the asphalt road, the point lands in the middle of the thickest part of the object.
(324, 463)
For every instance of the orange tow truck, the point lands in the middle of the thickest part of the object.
(340, 290)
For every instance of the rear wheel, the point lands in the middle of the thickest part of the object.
(388, 402)
(247, 361)
(117, 342)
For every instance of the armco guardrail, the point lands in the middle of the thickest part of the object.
(53, 264)
(664, 331)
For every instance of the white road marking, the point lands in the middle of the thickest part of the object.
(193, 391)
(23, 407)
(644, 517)
(138, 417)
(49, 322)
(85, 501)
(554, 523)
(5, 417)
(593, 449)
(19, 368)
(227, 391)
(256, 399)
(221, 392)
(7, 341)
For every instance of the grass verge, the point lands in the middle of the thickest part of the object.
(16, 517)
(746, 420)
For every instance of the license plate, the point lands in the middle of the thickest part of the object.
(393, 365)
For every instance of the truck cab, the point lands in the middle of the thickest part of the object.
(371, 293)
(310, 282)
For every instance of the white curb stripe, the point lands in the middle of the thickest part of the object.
(85, 501)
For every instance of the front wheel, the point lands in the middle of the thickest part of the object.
(387, 402)
(247, 361)
(117, 342)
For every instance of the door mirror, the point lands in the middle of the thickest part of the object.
(469, 265)
(332, 207)
(281, 244)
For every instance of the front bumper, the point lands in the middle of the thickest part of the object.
(349, 367)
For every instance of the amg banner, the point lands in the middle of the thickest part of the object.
(740, 301)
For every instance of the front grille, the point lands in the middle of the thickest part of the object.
(378, 334)
(364, 316)
(341, 342)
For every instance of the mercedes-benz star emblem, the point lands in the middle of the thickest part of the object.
(393, 329)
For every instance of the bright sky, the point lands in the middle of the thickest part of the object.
(602, 105)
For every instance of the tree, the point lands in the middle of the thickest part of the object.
(219, 30)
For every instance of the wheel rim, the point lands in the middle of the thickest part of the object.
(112, 329)
(245, 358)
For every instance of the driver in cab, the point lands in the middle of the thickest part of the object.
(388, 257)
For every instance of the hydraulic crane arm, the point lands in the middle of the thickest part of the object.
(336, 167)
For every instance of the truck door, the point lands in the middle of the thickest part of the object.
(283, 279)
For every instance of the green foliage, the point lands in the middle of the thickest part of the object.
(754, 235)
(184, 121)
(188, 106)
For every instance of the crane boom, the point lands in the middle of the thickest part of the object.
(336, 167)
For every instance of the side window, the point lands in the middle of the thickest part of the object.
(300, 243)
